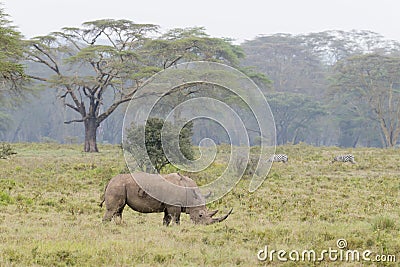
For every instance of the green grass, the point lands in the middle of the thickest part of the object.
(49, 213)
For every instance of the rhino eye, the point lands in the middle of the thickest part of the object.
(200, 215)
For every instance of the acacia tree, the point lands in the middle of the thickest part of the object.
(11, 70)
(115, 57)
(374, 83)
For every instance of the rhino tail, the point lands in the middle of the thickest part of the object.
(103, 198)
(101, 203)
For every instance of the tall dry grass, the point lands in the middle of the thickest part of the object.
(49, 214)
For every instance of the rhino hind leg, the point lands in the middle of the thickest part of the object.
(114, 214)
(114, 207)
(118, 217)
(108, 216)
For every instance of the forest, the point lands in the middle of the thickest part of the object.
(331, 88)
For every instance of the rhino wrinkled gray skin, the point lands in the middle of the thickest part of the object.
(175, 194)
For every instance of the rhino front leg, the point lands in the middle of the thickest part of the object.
(173, 214)
(177, 218)
(167, 218)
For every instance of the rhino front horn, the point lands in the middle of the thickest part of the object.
(220, 219)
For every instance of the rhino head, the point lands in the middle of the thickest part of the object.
(200, 215)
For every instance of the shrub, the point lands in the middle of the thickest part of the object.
(156, 146)
(6, 151)
(5, 198)
(383, 223)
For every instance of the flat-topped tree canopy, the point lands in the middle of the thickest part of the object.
(116, 57)
(12, 76)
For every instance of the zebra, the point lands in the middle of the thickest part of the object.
(279, 158)
(344, 158)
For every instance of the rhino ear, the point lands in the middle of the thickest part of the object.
(207, 195)
(195, 194)
(198, 199)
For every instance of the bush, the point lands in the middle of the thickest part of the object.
(178, 149)
(5, 198)
(6, 151)
(383, 223)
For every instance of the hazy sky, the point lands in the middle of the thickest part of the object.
(238, 19)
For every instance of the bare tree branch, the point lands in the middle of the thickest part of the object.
(55, 67)
(72, 107)
(37, 78)
(72, 121)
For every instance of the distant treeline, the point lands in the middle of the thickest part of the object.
(328, 88)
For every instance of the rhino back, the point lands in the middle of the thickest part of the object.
(194, 197)
(171, 189)
(137, 199)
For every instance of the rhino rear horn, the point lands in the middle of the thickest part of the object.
(212, 213)
(220, 219)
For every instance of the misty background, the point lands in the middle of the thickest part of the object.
(313, 96)
(303, 95)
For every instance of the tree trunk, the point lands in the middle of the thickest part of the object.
(90, 135)
(356, 141)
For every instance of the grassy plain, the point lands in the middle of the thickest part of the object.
(49, 213)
